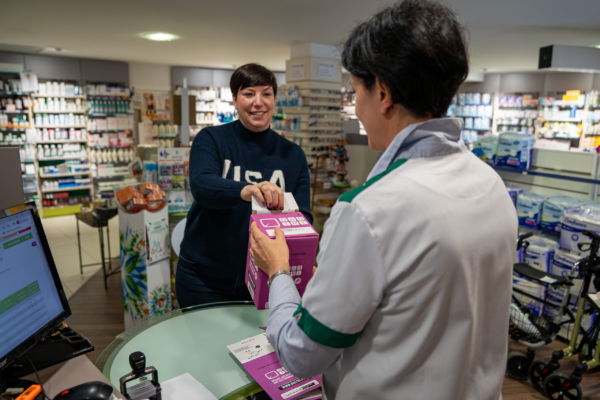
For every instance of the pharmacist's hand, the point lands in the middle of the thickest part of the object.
(270, 255)
(267, 193)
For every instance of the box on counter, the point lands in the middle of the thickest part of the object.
(302, 240)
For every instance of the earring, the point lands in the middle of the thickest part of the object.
(235, 114)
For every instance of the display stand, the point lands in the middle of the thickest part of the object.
(145, 272)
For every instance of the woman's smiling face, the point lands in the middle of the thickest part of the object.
(255, 106)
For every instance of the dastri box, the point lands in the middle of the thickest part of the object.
(301, 238)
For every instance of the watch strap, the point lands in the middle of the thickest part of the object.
(276, 274)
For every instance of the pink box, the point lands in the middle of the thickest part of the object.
(302, 240)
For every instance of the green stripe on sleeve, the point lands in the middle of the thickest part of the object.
(321, 334)
(349, 196)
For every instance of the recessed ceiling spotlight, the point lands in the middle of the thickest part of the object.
(160, 36)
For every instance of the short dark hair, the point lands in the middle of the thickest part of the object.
(417, 48)
(249, 75)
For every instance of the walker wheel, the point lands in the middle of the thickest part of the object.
(517, 365)
(536, 375)
(558, 387)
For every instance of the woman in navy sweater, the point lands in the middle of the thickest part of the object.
(228, 165)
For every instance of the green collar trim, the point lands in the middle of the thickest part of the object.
(321, 334)
(349, 196)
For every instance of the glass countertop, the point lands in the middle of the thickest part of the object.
(193, 340)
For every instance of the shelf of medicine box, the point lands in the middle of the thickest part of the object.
(59, 96)
(316, 103)
(14, 112)
(568, 176)
(110, 147)
(523, 126)
(54, 176)
(14, 130)
(523, 106)
(102, 97)
(205, 123)
(307, 135)
(108, 130)
(60, 112)
(127, 175)
(8, 93)
(110, 115)
(306, 110)
(562, 119)
(60, 141)
(61, 126)
(30, 190)
(306, 94)
(67, 189)
(205, 111)
(477, 129)
(14, 143)
(61, 158)
(117, 163)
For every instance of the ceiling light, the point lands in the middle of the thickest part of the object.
(597, 46)
(160, 36)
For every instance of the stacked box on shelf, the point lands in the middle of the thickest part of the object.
(316, 83)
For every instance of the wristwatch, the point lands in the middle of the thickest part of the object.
(276, 274)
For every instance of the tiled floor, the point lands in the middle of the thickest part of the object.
(62, 236)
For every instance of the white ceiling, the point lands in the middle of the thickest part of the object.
(505, 35)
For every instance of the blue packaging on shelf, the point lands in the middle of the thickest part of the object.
(553, 210)
(489, 146)
(540, 253)
(514, 193)
(515, 150)
(529, 209)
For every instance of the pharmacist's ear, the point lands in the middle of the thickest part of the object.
(384, 96)
(234, 97)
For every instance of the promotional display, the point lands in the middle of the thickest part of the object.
(145, 250)
(174, 175)
(302, 240)
(259, 359)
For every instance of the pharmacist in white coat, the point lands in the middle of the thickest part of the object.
(412, 292)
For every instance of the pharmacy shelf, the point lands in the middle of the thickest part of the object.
(562, 119)
(109, 115)
(61, 126)
(68, 189)
(205, 111)
(11, 93)
(14, 143)
(110, 147)
(59, 96)
(60, 141)
(104, 97)
(107, 130)
(14, 112)
(60, 112)
(518, 107)
(61, 158)
(13, 130)
(206, 122)
(547, 175)
(53, 176)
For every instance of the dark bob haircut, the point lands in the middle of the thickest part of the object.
(252, 75)
(415, 47)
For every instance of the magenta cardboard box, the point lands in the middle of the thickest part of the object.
(302, 240)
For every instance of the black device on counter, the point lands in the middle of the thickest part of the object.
(87, 391)
(147, 389)
(32, 301)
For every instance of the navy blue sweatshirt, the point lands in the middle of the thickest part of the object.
(223, 160)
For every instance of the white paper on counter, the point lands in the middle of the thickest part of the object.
(185, 387)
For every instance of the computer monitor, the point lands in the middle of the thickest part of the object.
(32, 300)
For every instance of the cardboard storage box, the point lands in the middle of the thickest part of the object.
(302, 240)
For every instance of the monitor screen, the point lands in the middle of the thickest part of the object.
(31, 295)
